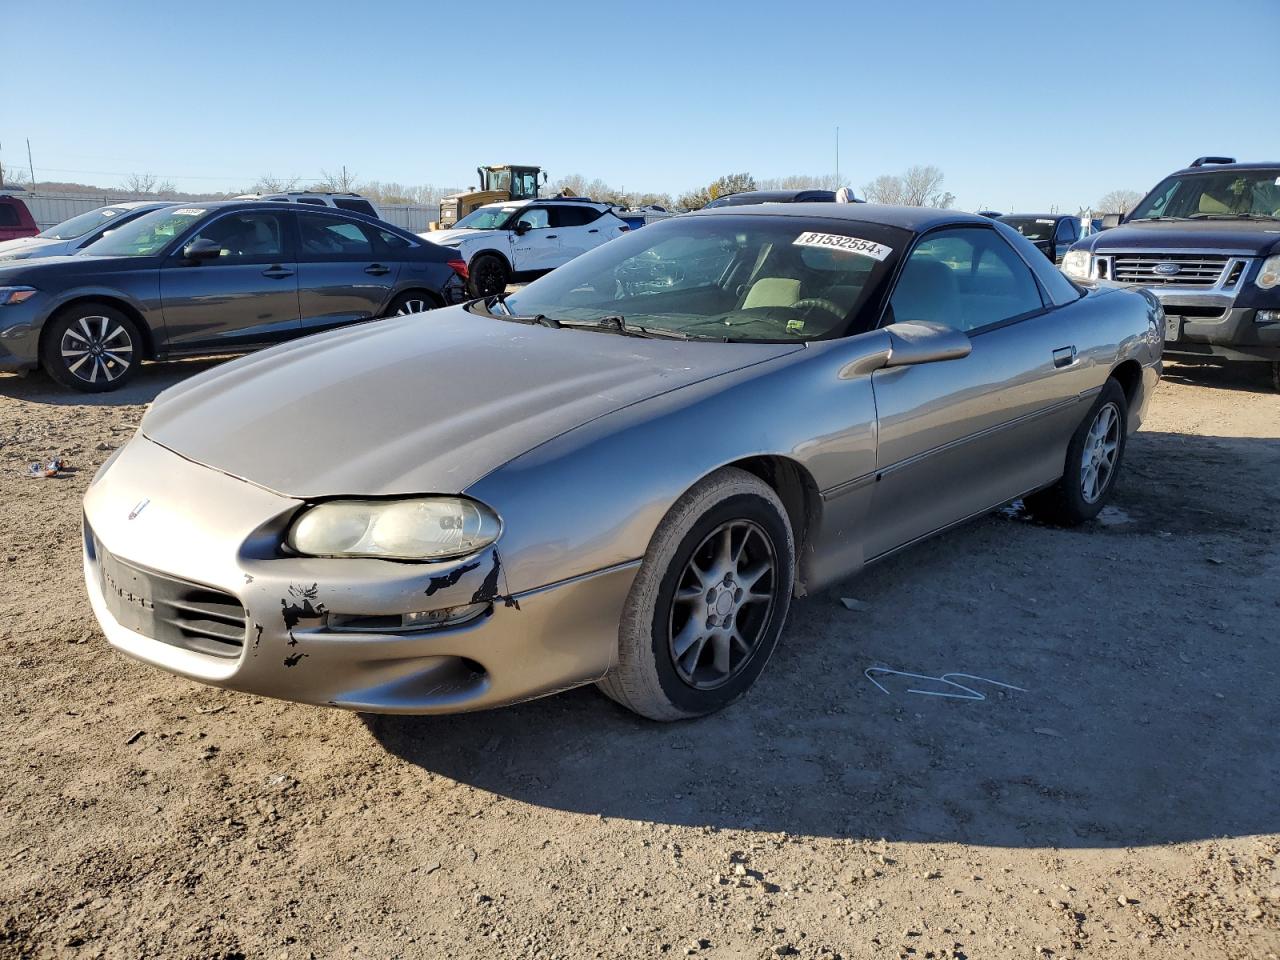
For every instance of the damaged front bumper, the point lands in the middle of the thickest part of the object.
(184, 571)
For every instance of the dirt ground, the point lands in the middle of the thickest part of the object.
(1120, 797)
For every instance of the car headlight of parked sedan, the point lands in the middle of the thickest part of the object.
(1077, 264)
(428, 528)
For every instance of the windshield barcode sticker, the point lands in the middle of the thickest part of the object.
(837, 241)
(189, 212)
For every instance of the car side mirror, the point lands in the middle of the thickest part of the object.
(923, 341)
(523, 227)
(1111, 220)
(202, 249)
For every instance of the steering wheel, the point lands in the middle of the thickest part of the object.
(829, 306)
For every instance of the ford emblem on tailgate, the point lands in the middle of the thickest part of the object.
(1166, 269)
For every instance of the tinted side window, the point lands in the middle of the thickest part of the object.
(1066, 230)
(8, 215)
(245, 237)
(325, 238)
(564, 215)
(314, 201)
(967, 278)
(359, 206)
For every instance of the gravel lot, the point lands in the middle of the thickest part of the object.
(1125, 802)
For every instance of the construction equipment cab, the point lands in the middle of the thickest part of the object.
(498, 183)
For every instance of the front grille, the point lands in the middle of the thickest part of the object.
(1194, 269)
(172, 611)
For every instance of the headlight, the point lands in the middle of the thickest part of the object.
(426, 528)
(1077, 263)
(1269, 275)
(12, 295)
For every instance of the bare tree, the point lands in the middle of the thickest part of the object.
(1119, 201)
(272, 184)
(695, 199)
(922, 187)
(342, 182)
(802, 181)
(140, 183)
(885, 188)
(166, 188)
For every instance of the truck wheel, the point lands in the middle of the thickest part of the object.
(1093, 462)
(708, 605)
(488, 275)
(91, 347)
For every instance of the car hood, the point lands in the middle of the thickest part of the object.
(427, 403)
(25, 247)
(448, 236)
(1256, 237)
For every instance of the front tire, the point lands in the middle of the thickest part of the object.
(1093, 463)
(91, 347)
(709, 603)
(488, 275)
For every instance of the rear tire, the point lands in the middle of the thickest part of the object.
(487, 275)
(1092, 466)
(91, 347)
(412, 301)
(706, 609)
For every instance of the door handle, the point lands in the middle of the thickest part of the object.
(549, 236)
(593, 230)
(377, 270)
(277, 272)
(1064, 356)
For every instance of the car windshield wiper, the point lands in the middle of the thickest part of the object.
(1136, 219)
(538, 318)
(1232, 216)
(615, 323)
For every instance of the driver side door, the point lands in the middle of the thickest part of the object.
(959, 437)
(537, 248)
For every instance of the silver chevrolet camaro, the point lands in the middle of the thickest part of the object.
(621, 474)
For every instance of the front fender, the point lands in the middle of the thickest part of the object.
(592, 497)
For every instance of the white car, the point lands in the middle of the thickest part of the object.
(521, 239)
(72, 236)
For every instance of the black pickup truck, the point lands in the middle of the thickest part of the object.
(1206, 242)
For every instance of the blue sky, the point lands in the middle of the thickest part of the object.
(1022, 104)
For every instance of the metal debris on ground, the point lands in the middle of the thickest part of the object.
(45, 471)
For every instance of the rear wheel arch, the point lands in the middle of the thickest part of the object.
(148, 337)
(1129, 375)
(415, 293)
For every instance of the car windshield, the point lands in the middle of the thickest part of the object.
(1033, 228)
(147, 235)
(1225, 194)
(729, 277)
(486, 218)
(85, 223)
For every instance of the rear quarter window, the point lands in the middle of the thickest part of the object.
(9, 215)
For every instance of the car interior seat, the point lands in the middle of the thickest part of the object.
(772, 292)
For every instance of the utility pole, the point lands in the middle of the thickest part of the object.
(837, 158)
(1, 165)
(30, 165)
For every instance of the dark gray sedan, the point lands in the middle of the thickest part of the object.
(212, 278)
